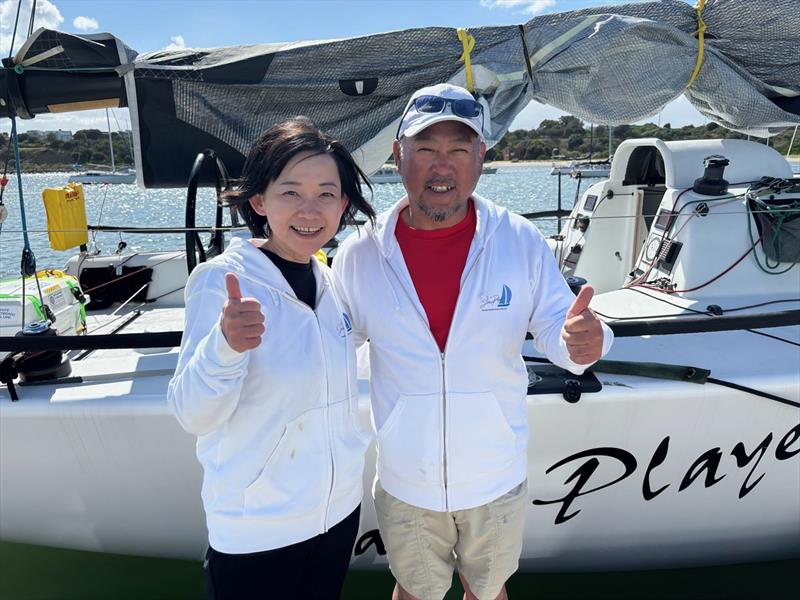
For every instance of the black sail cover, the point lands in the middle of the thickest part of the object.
(607, 65)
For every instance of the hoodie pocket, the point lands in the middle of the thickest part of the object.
(480, 440)
(350, 443)
(295, 477)
(410, 441)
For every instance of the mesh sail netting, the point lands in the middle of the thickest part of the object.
(607, 65)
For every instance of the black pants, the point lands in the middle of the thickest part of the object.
(309, 570)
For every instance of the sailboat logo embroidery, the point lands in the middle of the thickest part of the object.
(499, 301)
(345, 327)
(505, 297)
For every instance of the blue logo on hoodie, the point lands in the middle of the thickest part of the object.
(505, 297)
(345, 327)
(499, 301)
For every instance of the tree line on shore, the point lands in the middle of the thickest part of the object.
(569, 138)
(88, 148)
(564, 138)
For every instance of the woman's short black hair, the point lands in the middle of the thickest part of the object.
(273, 150)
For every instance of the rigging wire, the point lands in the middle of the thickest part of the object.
(119, 131)
(642, 279)
(211, 229)
(704, 284)
(774, 337)
(33, 17)
(707, 312)
(100, 215)
(132, 273)
(724, 310)
(14, 35)
(791, 143)
(750, 390)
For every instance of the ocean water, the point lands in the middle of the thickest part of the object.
(525, 188)
(521, 188)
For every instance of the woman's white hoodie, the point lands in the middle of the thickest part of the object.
(277, 426)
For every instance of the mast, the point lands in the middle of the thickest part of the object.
(110, 143)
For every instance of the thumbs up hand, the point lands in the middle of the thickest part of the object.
(242, 320)
(582, 331)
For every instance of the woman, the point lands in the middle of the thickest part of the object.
(266, 378)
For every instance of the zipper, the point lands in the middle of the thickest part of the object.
(467, 271)
(326, 409)
(328, 434)
(426, 326)
(444, 435)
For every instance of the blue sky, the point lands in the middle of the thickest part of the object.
(147, 25)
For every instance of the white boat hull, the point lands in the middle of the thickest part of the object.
(104, 466)
(100, 178)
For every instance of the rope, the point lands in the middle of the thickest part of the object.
(468, 43)
(28, 262)
(701, 30)
(19, 185)
(777, 214)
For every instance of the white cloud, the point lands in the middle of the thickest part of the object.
(178, 43)
(85, 23)
(47, 15)
(532, 7)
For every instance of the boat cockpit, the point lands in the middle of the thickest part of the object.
(673, 215)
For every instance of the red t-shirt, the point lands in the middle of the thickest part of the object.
(435, 259)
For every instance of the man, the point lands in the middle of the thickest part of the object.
(445, 286)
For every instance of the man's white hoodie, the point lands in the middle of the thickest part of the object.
(277, 428)
(452, 426)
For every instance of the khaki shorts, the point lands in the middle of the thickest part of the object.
(423, 546)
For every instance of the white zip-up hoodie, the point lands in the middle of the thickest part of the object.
(277, 429)
(452, 426)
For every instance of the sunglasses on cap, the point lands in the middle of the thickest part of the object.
(461, 107)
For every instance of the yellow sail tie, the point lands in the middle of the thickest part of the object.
(468, 43)
(701, 29)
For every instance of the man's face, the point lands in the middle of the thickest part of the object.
(440, 167)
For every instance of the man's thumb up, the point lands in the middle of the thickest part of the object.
(582, 331)
(581, 302)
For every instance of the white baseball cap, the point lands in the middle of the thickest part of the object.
(437, 103)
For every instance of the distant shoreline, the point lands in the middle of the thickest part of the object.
(492, 163)
(565, 163)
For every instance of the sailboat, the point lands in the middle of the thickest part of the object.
(126, 175)
(586, 169)
(681, 448)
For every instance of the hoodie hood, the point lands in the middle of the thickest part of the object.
(247, 261)
(488, 217)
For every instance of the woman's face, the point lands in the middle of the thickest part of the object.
(303, 206)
